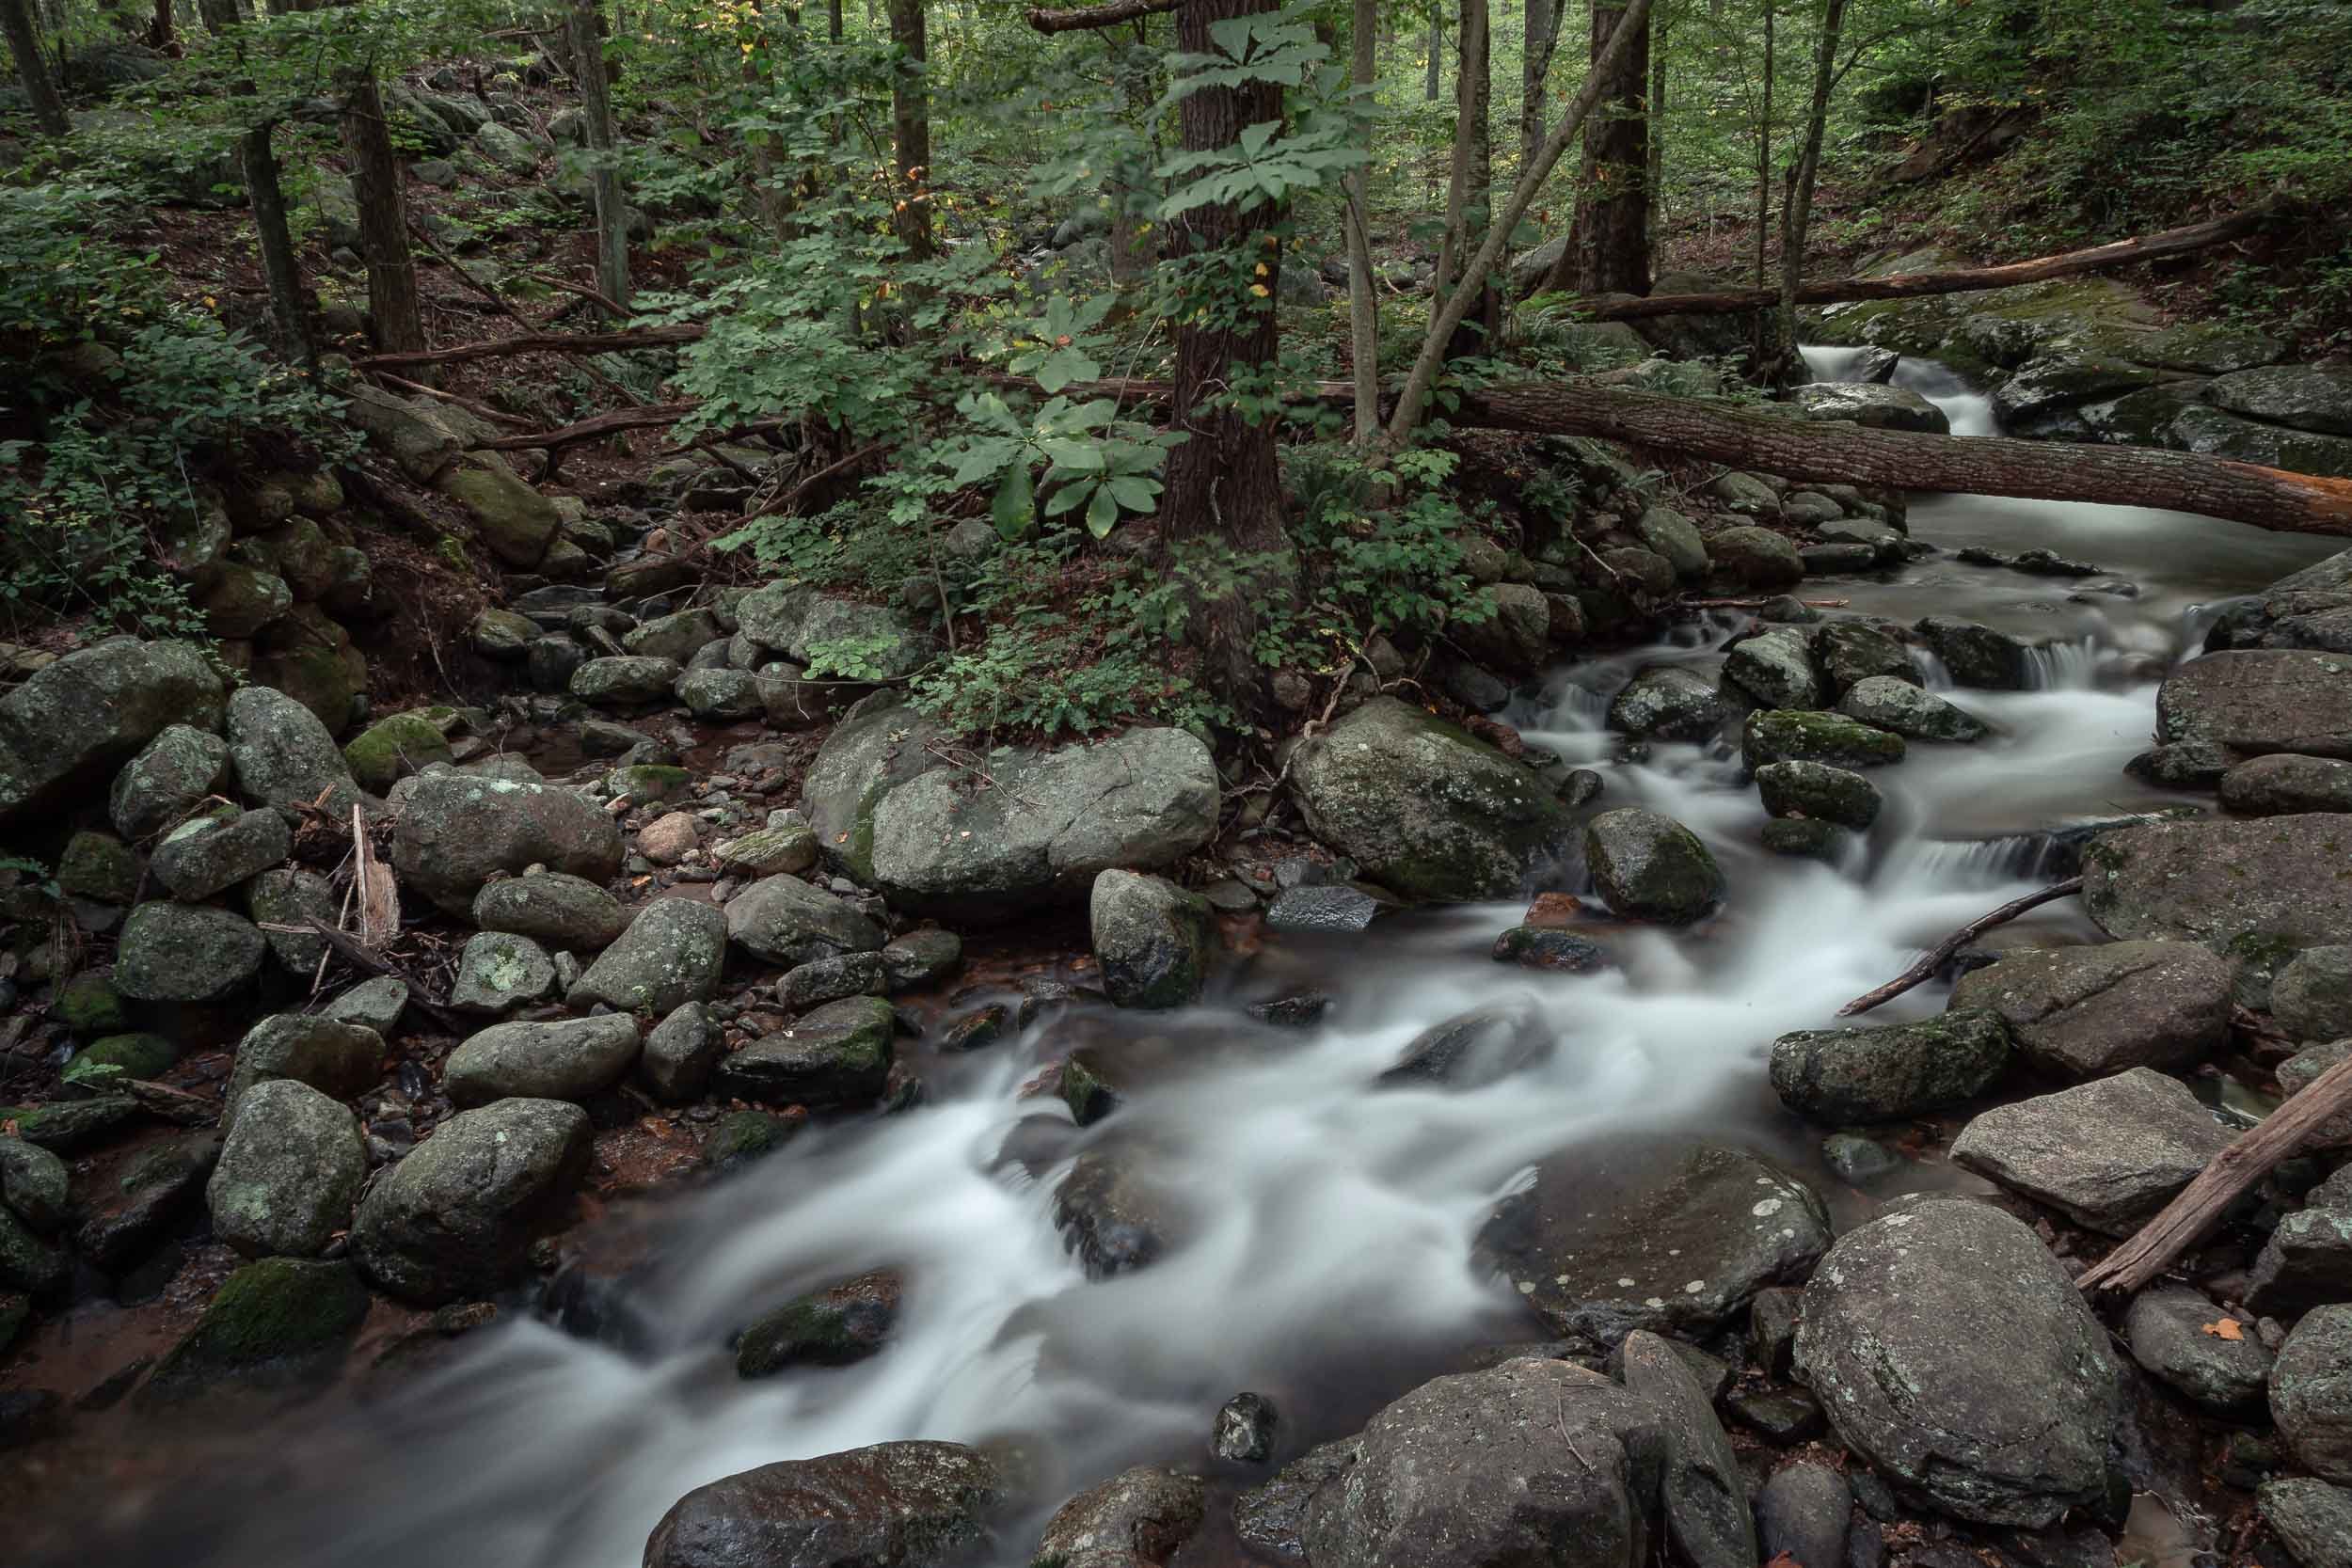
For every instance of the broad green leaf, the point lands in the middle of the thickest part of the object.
(1014, 506)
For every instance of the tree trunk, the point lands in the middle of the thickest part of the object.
(160, 30)
(383, 218)
(1841, 453)
(833, 21)
(911, 127)
(1761, 346)
(1469, 190)
(1437, 58)
(1654, 177)
(1363, 306)
(595, 102)
(1612, 246)
(32, 68)
(1541, 34)
(281, 270)
(1223, 485)
(1796, 210)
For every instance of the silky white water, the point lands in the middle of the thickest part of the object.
(1328, 1254)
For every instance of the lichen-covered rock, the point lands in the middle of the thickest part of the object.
(499, 971)
(1151, 939)
(2299, 1071)
(515, 520)
(919, 958)
(340, 1060)
(1871, 405)
(1703, 1493)
(1651, 868)
(1674, 538)
(173, 774)
(671, 954)
(395, 747)
(680, 1052)
(1818, 791)
(66, 730)
(807, 626)
(171, 952)
(2172, 1333)
(1669, 701)
(838, 1054)
(2107, 1154)
(2280, 785)
(208, 855)
(1978, 656)
(2257, 700)
(284, 756)
(1852, 652)
(33, 1185)
(1775, 668)
(789, 849)
(279, 1322)
(1757, 558)
(1423, 808)
(721, 695)
(895, 1505)
(552, 908)
(677, 637)
(564, 1058)
(1899, 706)
(1514, 633)
(457, 830)
(2269, 880)
(289, 1172)
(283, 902)
(2306, 1262)
(2085, 1012)
(1797, 736)
(1889, 1070)
(625, 680)
(2302, 396)
(2312, 1519)
(784, 920)
(456, 1218)
(1950, 1351)
(2311, 1392)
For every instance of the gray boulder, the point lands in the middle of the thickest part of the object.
(2271, 880)
(1806, 1512)
(1979, 656)
(2107, 1154)
(680, 1052)
(783, 919)
(2085, 1012)
(376, 1004)
(340, 1060)
(284, 757)
(721, 695)
(1152, 938)
(838, 1054)
(67, 729)
(1651, 868)
(173, 774)
(1703, 1493)
(2280, 784)
(1669, 701)
(456, 1218)
(2312, 1519)
(676, 636)
(818, 629)
(671, 954)
(2311, 1392)
(1756, 557)
(2257, 700)
(552, 908)
(1674, 539)
(823, 980)
(499, 971)
(1137, 1517)
(2169, 1329)
(208, 856)
(289, 1172)
(767, 851)
(1528, 1462)
(1950, 1351)
(2302, 396)
(1887, 703)
(187, 952)
(1333, 910)
(625, 680)
(895, 1505)
(1795, 735)
(1886, 1071)
(1514, 633)
(567, 1058)
(1775, 668)
(1818, 791)
(2301, 1070)
(34, 1186)
(1869, 405)
(457, 830)
(2305, 1263)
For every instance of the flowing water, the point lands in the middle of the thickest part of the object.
(1328, 1259)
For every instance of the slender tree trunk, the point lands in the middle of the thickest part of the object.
(160, 30)
(1654, 177)
(595, 102)
(1612, 246)
(910, 126)
(833, 21)
(1469, 195)
(1223, 485)
(32, 68)
(383, 218)
(257, 160)
(1796, 210)
(1541, 34)
(776, 204)
(1363, 306)
(1437, 59)
(1127, 262)
(1763, 347)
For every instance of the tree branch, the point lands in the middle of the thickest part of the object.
(538, 342)
(1934, 958)
(1109, 15)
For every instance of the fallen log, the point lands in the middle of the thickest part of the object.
(2185, 241)
(2252, 1155)
(1109, 15)
(537, 343)
(1923, 970)
(596, 429)
(1841, 453)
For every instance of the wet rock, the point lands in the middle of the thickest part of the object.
(2005, 1423)
(127, 1219)
(1483, 1470)
(2280, 784)
(977, 1030)
(1802, 838)
(1979, 656)
(1423, 808)
(1544, 947)
(2271, 880)
(1887, 703)
(833, 1327)
(33, 1185)
(458, 830)
(740, 1137)
(2312, 1519)
(280, 1322)
(2306, 1262)
(187, 952)
(1271, 1518)
(1151, 939)
(1776, 669)
(1514, 636)
(1673, 538)
(1850, 653)
(1139, 1518)
(785, 921)
(289, 1171)
(2311, 1392)
(895, 1505)
(1698, 1234)
(1669, 701)
(822, 980)
(1805, 1512)
(552, 909)
(2107, 1154)
(2169, 1329)
(837, 1056)
(173, 775)
(1816, 790)
(1303, 1010)
(1795, 735)
(1885, 1072)
(1757, 558)
(208, 856)
(1651, 868)
(68, 727)
(2258, 701)
(1704, 1497)
(1823, 561)
(680, 1052)
(27, 1263)
(2085, 1012)
(1245, 1430)
(454, 1219)
(770, 852)
(392, 748)
(499, 971)
(502, 635)
(671, 952)
(284, 757)
(920, 958)
(66, 1126)
(1476, 1048)
(1330, 911)
(569, 1058)
(2302, 396)
(2184, 764)
(1113, 1214)
(1873, 406)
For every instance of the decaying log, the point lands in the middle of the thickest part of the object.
(1935, 957)
(1109, 15)
(537, 343)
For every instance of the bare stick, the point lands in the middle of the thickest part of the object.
(1934, 958)
(2249, 1157)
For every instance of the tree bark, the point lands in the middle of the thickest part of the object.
(1540, 37)
(1470, 187)
(1437, 56)
(1611, 246)
(1796, 208)
(383, 220)
(1087, 16)
(1363, 306)
(1842, 454)
(595, 102)
(32, 68)
(281, 270)
(911, 127)
(1760, 345)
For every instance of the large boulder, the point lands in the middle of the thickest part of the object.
(339, 1059)
(671, 954)
(1651, 868)
(2085, 1012)
(1696, 1234)
(2306, 1262)
(457, 830)
(838, 1054)
(1512, 631)
(1526, 1462)
(67, 729)
(564, 1058)
(187, 952)
(2311, 1392)
(208, 855)
(2312, 1519)
(1816, 791)
(784, 920)
(1775, 668)
(456, 1218)
(1979, 656)
(289, 1172)
(285, 757)
(2106, 1154)
(173, 775)
(840, 636)
(2257, 700)
(2312, 997)
(1704, 1496)
(1871, 405)
(1793, 734)
(1895, 705)
(552, 909)
(2280, 784)
(2270, 882)
(1669, 701)
(1885, 1072)
(1950, 1351)
(1423, 808)
(2302, 396)
(895, 1505)
(1151, 939)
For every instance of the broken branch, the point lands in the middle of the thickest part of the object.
(1935, 957)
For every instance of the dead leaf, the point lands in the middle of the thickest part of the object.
(2226, 1329)
(1785, 1559)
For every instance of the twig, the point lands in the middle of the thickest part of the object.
(348, 948)
(499, 303)
(471, 405)
(791, 498)
(1918, 973)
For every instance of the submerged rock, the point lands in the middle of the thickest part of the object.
(895, 1505)
(1651, 868)
(1474, 1049)
(1884, 1071)
(1151, 939)
(833, 1327)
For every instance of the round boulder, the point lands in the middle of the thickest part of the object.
(456, 1217)
(1651, 868)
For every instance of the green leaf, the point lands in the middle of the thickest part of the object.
(1134, 494)
(1102, 512)
(1014, 506)
(1083, 457)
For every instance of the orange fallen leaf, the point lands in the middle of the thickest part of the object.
(1785, 1559)
(2226, 1329)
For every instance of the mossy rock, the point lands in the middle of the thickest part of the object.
(395, 747)
(276, 1323)
(646, 780)
(832, 1327)
(1792, 734)
(133, 1055)
(99, 866)
(744, 1136)
(90, 1006)
(64, 1126)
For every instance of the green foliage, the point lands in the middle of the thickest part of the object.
(1047, 681)
(1383, 568)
